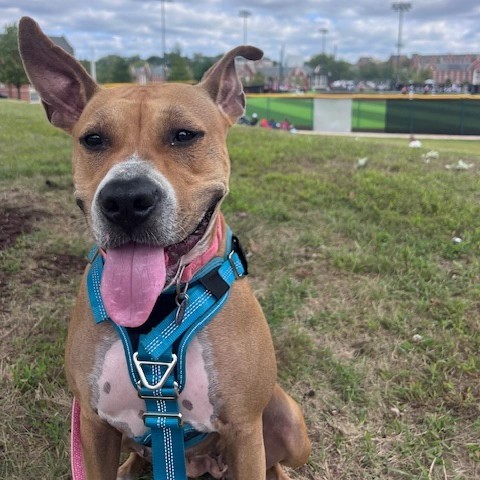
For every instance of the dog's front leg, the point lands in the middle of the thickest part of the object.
(245, 452)
(101, 445)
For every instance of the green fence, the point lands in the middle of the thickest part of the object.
(298, 111)
(450, 115)
(369, 115)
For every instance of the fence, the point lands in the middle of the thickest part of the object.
(448, 114)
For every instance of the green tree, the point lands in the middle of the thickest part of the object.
(419, 76)
(200, 64)
(336, 69)
(11, 67)
(113, 69)
(179, 67)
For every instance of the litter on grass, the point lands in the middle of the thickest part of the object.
(460, 165)
(361, 162)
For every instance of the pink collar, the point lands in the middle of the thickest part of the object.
(203, 259)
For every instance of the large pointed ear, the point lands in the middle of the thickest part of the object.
(223, 85)
(62, 83)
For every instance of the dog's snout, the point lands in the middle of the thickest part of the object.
(128, 203)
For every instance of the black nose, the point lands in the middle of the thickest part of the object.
(128, 203)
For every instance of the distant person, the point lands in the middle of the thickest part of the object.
(254, 120)
(285, 125)
(264, 123)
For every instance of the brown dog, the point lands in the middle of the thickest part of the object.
(150, 168)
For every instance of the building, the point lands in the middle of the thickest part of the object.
(147, 73)
(459, 69)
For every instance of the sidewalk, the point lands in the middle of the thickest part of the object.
(418, 136)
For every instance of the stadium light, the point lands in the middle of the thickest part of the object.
(400, 7)
(244, 14)
(164, 34)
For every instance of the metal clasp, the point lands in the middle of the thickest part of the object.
(181, 298)
(234, 267)
(173, 397)
(138, 364)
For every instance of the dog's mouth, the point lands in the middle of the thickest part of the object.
(135, 274)
(176, 251)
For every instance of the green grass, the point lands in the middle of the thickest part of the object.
(373, 307)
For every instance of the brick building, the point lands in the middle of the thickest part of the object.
(457, 69)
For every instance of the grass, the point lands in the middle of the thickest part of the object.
(373, 307)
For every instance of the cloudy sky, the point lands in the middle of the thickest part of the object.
(355, 27)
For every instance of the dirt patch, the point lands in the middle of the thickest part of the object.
(60, 263)
(15, 221)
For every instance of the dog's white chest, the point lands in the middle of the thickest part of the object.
(117, 402)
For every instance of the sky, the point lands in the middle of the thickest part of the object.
(355, 28)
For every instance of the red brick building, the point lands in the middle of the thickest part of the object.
(457, 69)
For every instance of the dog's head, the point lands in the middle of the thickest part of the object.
(150, 163)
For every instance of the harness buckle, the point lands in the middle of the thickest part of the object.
(143, 379)
(231, 260)
(237, 248)
(178, 416)
(143, 396)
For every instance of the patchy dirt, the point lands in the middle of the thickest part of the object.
(20, 215)
(17, 220)
(60, 263)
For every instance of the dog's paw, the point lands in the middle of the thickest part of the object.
(132, 468)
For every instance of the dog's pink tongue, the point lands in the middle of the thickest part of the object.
(132, 279)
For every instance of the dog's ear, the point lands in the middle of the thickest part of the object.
(223, 85)
(62, 83)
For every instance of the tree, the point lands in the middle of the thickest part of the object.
(179, 67)
(113, 69)
(337, 69)
(11, 67)
(200, 64)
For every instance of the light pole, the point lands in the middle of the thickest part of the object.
(400, 7)
(164, 42)
(93, 65)
(324, 32)
(244, 14)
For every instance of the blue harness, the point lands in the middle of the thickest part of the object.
(156, 351)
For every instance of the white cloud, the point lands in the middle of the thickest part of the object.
(362, 28)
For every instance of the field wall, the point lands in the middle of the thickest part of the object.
(435, 114)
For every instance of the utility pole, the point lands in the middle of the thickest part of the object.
(400, 7)
(324, 32)
(280, 66)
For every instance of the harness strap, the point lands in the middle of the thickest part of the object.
(155, 370)
(162, 416)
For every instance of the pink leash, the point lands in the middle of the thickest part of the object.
(78, 469)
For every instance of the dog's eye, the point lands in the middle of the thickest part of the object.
(184, 137)
(93, 141)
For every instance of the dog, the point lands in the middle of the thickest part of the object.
(150, 171)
